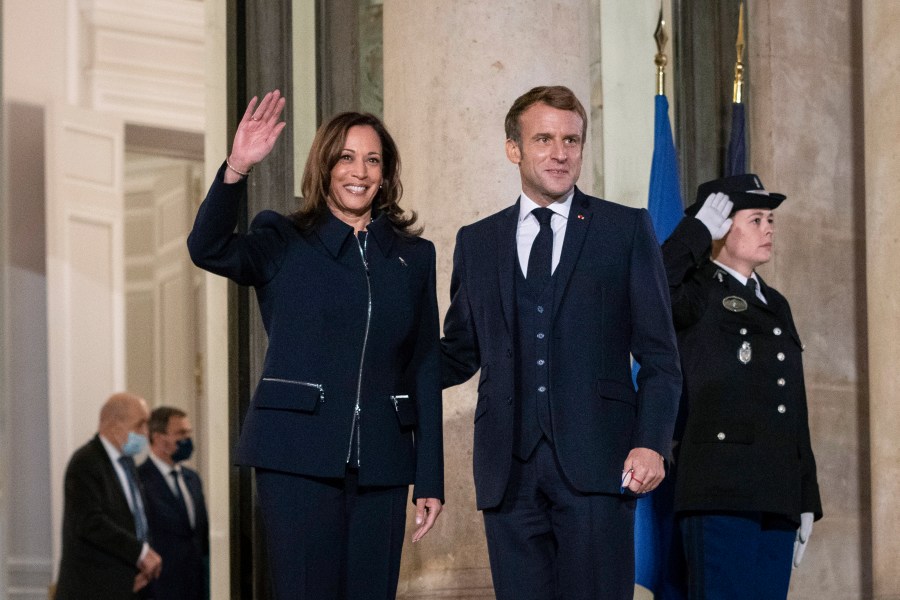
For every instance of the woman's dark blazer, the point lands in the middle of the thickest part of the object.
(746, 443)
(329, 343)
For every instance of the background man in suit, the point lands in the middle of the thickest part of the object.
(176, 509)
(548, 298)
(746, 486)
(105, 554)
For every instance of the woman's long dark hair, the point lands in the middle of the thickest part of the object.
(325, 152)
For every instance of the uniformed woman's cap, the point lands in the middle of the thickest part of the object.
(745, 191)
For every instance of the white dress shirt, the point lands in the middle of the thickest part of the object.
(743, 279)
(114, 456)
(528, 228)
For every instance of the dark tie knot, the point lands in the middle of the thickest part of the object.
(127, 462)
(543, 215)
(751, 284)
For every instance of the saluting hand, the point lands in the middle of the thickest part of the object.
(714, 214)
(256, 134)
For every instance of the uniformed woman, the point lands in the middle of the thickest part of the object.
(746, 494)
(347, 413)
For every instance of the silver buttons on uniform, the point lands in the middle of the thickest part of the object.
(781, 382)
(777, 331)
(540, 362)
(542, 389)
(743, 331)
(721, 436)
(780, 356)
(540, 309)
(782, 408)
(540, 336)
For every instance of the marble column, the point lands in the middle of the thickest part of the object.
(804, 114)
(881, 79)
(451, 71)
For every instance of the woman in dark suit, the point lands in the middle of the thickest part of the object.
(347, 412)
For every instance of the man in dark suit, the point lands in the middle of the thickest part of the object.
(176, 509)
(746, 489)
(548, 298)
(105, 552)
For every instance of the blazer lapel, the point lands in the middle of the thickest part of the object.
(112, 476)
(507, 258)
(576, 231)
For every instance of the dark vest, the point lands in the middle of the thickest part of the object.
(534, 319)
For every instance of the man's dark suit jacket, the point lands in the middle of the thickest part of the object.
(100, 549)
(611, 299)
(184, 549)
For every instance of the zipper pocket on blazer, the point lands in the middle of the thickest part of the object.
(317, 386)
(405, 409)
(288, 394)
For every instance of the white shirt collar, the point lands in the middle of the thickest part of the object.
(164, 467)
(735, 274)
(526, 205)
(111, 450)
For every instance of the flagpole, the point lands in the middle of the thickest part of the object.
(738, 92)
(661, 38)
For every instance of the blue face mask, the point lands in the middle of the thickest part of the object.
(184, 450)
(135, 444)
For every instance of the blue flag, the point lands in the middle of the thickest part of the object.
(736, 159)
(659, 560)
(664, 202)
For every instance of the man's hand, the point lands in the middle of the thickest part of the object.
(644, 470)
(140, 582)
(427, 511)
(714, 214)
(151, 565)
(803, 533)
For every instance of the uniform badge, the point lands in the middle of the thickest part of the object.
(734, 304)
(745, 353)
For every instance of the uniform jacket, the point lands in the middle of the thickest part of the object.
(184, 549)
(610, 301)
(100, 548)
(339, 329)
(746, 445)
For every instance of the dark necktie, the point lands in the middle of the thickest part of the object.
(751, 287)
(140, 518)
(540, 260)
(179, 495)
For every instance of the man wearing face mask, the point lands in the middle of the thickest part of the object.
(106, 554)
(176, 509)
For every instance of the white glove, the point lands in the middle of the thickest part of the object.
(714, 214)
(803, 533)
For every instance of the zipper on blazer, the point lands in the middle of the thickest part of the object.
(317, 386)
(396, 400)
(362, 356)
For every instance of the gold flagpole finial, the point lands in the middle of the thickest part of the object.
(661, 39)
(737, 95)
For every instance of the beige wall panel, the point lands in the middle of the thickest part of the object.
(881, 66)
(176, 344)
(85, 280)
(140, 310)
(804, 121)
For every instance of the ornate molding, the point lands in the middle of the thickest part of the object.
(144, 60)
